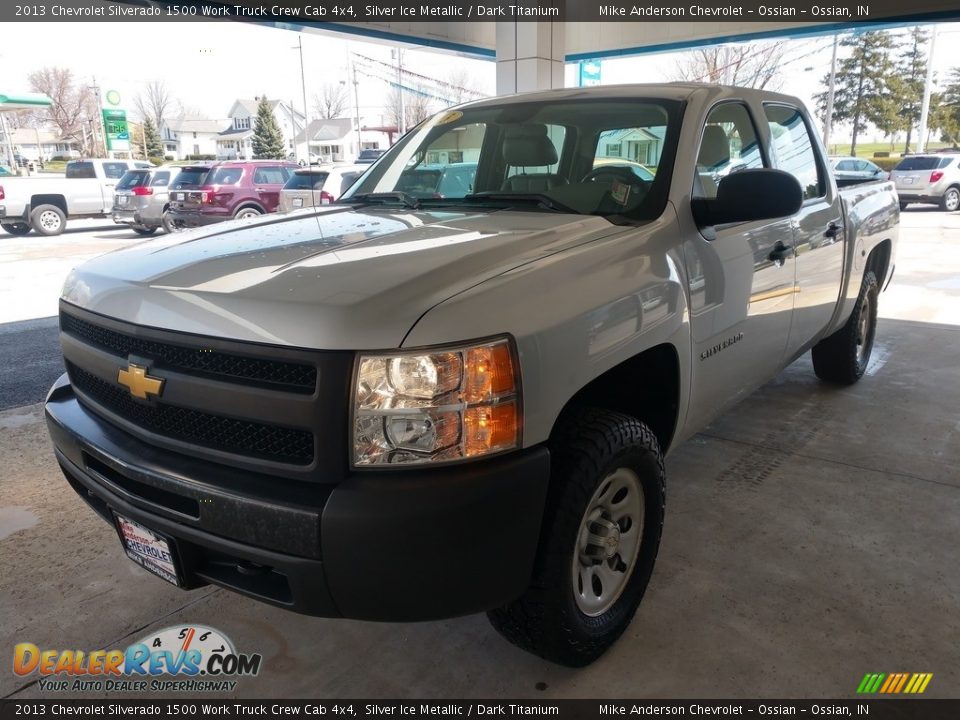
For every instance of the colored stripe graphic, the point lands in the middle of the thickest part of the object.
(894, 683)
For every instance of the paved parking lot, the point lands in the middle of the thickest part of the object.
(811, 537)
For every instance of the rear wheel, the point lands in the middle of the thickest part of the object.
(141, 230)
(18, 228)
(168, 224)
(247, 212)
(842, 358)
(599, 542)
(48, 219)
(950, 200)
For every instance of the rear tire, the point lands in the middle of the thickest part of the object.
(950, 200)
(140, 230)
(247, 212)
(18, 228)
(168, 224)
(607, 479)
(48, 220)
(843, 357)
(903, 206)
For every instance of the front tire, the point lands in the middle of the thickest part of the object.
(950, 200)
(18, 228)
(599, 542)
(843, 357)
(48, 220)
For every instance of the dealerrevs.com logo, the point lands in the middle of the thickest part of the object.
(194, 658)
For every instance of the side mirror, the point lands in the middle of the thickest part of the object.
(749, 195)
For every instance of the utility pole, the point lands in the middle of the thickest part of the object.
(402, 119)
(927, 89)
(356, 102)
(99, 111)
(828, 120)
(293, 131)
(306, 112)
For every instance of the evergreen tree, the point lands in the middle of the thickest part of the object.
(908, 82)
(267, 138)
(861, 87)
(945, 110)
(152, 139)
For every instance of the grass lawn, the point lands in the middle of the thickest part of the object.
(55, 166)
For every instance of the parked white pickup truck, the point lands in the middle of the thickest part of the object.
(410, 405)
(45, 204)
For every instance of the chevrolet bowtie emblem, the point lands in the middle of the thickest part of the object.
(135, 379)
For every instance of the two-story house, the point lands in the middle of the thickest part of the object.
(189, 137)
(236, 141)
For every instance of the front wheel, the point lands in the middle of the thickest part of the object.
(842, 358)
(599, 541)
(17, 228)
(48, 219)
(950, 200)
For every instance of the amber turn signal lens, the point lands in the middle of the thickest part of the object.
(489, 373)
(490, 428)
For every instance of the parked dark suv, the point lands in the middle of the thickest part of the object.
(205, 194)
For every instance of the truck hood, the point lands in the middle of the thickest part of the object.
(332, 278)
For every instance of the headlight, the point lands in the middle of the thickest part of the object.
(436, 406)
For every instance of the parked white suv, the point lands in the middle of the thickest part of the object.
(933, 179)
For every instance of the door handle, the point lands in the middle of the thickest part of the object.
(833, 229)
(780, 253)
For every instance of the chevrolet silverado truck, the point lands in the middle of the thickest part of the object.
(45, 204)
(400, 407)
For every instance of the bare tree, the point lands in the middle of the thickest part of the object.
(332, 101)
(417, 106)
(458, 84)
(72, 106)
(755, 65)
(155, 102)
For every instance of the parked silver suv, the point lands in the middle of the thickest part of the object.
(933, 179)
(141, 199)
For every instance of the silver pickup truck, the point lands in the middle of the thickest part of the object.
(411, 405)
(45, 204)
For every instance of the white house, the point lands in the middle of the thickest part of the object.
(39, 144)
(236, 141)
(183, 137)
(335, 139)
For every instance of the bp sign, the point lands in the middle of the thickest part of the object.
(118, 134)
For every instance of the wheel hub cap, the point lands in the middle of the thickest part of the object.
(608, 542)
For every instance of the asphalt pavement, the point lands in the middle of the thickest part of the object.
(29, 361)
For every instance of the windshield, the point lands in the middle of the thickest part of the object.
(610, 158)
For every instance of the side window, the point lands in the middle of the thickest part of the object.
(728, 143)
(793, 149)
(846, 165)
(161, 179)
(269, 176)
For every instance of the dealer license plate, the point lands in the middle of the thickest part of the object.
(179, 196)
(151, 551)
(122, 199)
(907, 181)
(298, 202)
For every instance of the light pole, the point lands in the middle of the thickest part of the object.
(402, 119)
(99, 110)
(303, 88)
(927, 88)
(828, 120)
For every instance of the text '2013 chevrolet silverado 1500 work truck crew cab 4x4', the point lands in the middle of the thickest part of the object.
(400, 408)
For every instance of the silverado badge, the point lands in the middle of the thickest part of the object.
(135, 379)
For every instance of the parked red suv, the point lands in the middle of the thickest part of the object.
(210, 193)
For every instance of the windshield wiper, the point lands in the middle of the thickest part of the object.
(403, 198)
(544, 201)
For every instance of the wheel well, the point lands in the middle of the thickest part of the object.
(57, 200)
(647, 387)
(879, 261)
(259, 208)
